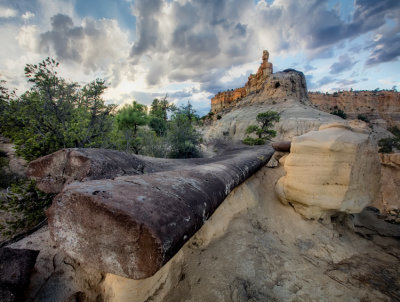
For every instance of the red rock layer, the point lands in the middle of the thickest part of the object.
(375, 105)
(255, 83)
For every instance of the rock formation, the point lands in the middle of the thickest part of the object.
(55, 170)
(284, 92)
(333, 169)
(380, 107)
(15, 268)
(225, 98)
(389, 195)
(123, 216)
(254, 84)
(132, 225)
(251, 248)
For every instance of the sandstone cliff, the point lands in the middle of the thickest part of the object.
(284, 92)
(333, 169)
(380, 107)
(254, 84)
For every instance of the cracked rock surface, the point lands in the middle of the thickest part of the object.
(132, 225)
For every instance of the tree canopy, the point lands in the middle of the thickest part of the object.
(263, 131)
(55, 113)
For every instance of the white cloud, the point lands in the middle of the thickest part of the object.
(27, 15)
(28, 38)
(6, 12)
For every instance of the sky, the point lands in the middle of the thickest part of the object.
(192, 49)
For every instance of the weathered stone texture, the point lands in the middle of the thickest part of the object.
(254, 84)
(132, 225)
(382, 107)
(15, 269)
(53, 171)
(334, 169)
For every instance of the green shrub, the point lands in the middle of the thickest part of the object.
(254, 141)
(339, 112)
(387, 144)
(219, 117)
(362, 117)
(264, 133)
(26, 204)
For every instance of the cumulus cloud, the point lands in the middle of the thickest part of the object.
(213, 45)
(94, 44)
(27, 15)
(187, 40)
(6, 12)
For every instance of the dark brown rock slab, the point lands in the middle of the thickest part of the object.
(283, 146)
(132, 225)
(15, 269)
(55, 170)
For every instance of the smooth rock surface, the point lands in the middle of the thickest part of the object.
(334, 169)
(283, 146)
(52, 172)
(132, 225)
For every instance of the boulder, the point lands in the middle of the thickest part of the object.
(283, 146)
(334, 169)
(132, 225)
(52, 172)
(55, 170)
(15, 269)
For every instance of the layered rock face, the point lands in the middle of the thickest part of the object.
(225, 98)
(382, 107)
(284, 92)
(333, 169)
(132, 225)
(254, 84)
(389, 197)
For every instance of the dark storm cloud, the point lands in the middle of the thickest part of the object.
(96, 44)
(345, 63)
(194, 39)
(186, 41)
(321, 27)
(147, 26)
(385, 49)
(63, 38)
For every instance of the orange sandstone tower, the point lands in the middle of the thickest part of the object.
(254, 84)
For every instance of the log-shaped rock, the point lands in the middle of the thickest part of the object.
(52, 172)
(132, 225)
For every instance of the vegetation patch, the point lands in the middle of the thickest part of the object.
(386, 145)
(22, 207)
(263, 131)
(339, 112)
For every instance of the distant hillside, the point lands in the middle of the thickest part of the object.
(380, 107)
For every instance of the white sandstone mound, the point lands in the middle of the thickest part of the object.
(334, 169)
